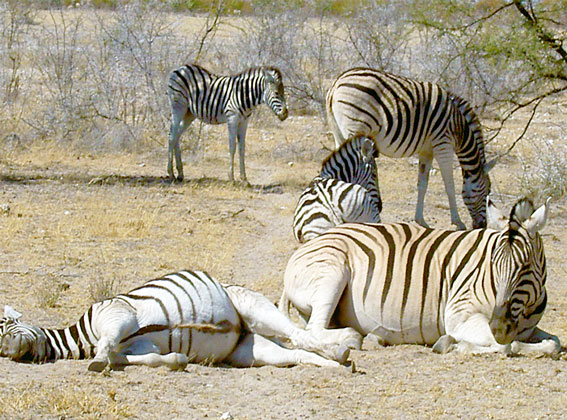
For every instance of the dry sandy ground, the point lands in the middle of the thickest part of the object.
(77, 222)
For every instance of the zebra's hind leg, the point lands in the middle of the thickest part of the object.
(114, 321)
(444, 157)
(255, 350)
(181, 118)
(260, 316)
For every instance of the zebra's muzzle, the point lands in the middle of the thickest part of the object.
(282, 115)
(502, 325)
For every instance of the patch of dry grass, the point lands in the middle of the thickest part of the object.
(68, 401)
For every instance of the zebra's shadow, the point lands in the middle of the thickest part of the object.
(135, 180)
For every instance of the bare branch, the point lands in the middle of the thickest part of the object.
(544, 36)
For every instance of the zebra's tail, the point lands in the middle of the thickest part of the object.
(337, 134)
(284, 304)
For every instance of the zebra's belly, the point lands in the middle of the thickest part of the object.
(389, 324)
(394, 148)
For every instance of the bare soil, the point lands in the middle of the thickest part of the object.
(73, 223)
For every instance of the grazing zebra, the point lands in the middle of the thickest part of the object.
(406, 117)
(471, 291)
(196, 93)
(345, 191)
(182, 317)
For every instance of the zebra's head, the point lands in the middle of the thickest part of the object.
(354, 161)
(519, 270)
(469, 147)
(476, 188)
(20, 341)
(274, 92)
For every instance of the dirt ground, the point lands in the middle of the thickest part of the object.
(72, 224)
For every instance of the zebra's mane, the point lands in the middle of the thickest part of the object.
(349, 143)
(247, 71)
(471, 118)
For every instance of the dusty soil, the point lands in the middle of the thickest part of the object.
(73, 223)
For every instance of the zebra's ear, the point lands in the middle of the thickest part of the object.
(537, 220)
(368, 149)
(488, 166)
(11, 313)
(495, 219)
(269, 76)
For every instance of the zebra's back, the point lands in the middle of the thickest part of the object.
(400, 114)
(329, 202)
(344, 191)
(204, 94)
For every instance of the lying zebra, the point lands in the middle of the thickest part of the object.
(344, 191)
(471, 291)
(170, 321)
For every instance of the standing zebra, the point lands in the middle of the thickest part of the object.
(196, 93)
(344, 191)
(481, 290)
(406, 117)
(182, 317)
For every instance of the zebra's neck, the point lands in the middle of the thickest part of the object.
(250, 88)
(469, 146)
(74, 342)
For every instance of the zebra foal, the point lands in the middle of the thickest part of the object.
(405, 117)
(344, 191)
(194, 92)
(471, 291)
(170, 321)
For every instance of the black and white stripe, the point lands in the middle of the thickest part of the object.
(179, 318)
(406, 117)
(196, 93)
(344, 191)
(186, 312)
(478, 290)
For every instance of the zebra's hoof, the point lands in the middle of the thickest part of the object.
(179, 178)
(444, 344)
(342, 354)
(98, 365)
(178, 361)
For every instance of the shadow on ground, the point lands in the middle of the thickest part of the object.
(134, 180)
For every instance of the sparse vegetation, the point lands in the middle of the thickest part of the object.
(97, 84)
(86, 213)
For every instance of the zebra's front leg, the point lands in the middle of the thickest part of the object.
(242, 126)
(472, 335)
(232, 135)
(538, 342)
(422, 181)
(145, 352)
(444, 157)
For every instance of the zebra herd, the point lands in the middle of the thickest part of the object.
(479, 290)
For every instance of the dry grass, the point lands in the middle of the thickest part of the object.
(83, 227)
(67, 401)
(77, 226)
